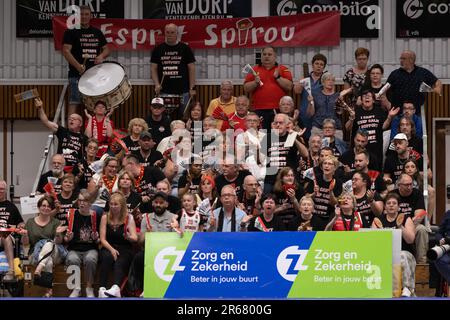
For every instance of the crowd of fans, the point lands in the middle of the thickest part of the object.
(235, 165)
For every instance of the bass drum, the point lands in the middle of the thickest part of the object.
(105, 82)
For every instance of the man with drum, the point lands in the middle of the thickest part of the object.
(83, 48)
(173, 69)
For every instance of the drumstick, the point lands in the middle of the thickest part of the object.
(186, 108)
(162, 81)
(85, 56)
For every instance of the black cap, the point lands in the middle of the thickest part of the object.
(145, 134)
(160, 194)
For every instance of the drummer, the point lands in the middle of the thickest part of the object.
(83, 48)
(178, 59)
(9, 216)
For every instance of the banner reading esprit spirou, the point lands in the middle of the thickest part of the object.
(359, 18)
(268, 265)
(196, 9)
(423, 18)
(34, 17)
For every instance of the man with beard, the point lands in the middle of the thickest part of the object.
(250, 196)
(56, 172)
(266, 221)
(360, 142)
(191, 178)
(394, 164)
(9, 216)
(147, 154)
(71, 142)
(161, 220)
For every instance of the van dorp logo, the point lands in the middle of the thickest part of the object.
(167, 262)
(413, 9)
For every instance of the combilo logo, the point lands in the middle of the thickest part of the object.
(413, 9)
(286, 8)
(167, 262)
(290, 262)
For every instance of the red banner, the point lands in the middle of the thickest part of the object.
(314, 29)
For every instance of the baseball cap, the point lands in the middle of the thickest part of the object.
(145, 134)
(400, 136)
(157, 101)
(161, 195)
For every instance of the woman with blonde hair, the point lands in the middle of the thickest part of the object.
(306, 221)
(117, 233)
(135, 127)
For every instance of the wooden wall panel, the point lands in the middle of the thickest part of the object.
(138, 104)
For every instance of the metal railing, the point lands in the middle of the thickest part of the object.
(51, 144)
(425, 164)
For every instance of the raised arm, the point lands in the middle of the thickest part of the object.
(44, 119)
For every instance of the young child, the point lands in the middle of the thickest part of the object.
(189, 217)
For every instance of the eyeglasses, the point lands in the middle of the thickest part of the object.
(228, 195)
(406, 184)
(82, 200)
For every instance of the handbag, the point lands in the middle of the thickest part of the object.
(45, 279)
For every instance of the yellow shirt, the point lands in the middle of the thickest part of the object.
(228, 108)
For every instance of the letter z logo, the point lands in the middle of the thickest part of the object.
(290, 262)
(167, 262)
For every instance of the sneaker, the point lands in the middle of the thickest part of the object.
(101, 292)
(9, 277)
(90, 293)
(75, 293)
(113, 292)
(406, 292)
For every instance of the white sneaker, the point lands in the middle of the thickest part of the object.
(113, 292)
(75, 293)
(406, 292)
(90, 293)
(101, 292)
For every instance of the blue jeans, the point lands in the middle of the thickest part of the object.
(74, 93)
(443, 266)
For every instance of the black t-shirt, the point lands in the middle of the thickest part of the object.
(408, 205)
(84, 41)
(133, 146)
(9, 214)
(348, 159)
(159, 129)
(86, 176)
(70, 145)
(150, 160)
(365, 210)
(283, 200)
(393, 225)
(43, 180)
(322, 205)
(147, 185)
(298, 220)
(66, 205)
(237, 183)
(173, 63)
(278, 156)
(82, 232)
(372, 121)
(134, 200)
(259, 223)
(394, 166)
(195, 184)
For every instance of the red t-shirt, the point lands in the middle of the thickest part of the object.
(269, 94)
(339, 224)
(239, 123)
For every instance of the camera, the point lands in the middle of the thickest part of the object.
(438, 251)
